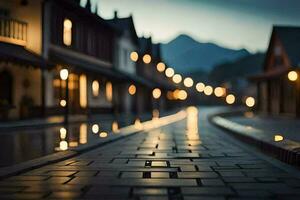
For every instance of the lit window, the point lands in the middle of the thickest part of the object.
(109, 91)
(67, 37)
(95, 88)
(82, 91)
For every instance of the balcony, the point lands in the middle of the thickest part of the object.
(13, 31)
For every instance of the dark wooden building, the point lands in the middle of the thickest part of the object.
(278, 88)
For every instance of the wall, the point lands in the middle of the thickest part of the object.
(20, 74)
(30, 14)
(125, 43)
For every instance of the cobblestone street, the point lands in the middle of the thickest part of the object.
(185, 160)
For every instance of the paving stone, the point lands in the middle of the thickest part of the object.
(207, 191)
(160, 175)
(212, 182)
(61, 173)
(164, 163)
(159, 164)
(132, 175)
(197, 175)
(149, 191)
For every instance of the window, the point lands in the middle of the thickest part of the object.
(82, 91)
(95, 88)
(109, 91)
(67, 37)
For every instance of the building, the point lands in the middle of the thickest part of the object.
(21, 61)
(57, 57)
(125, 57)
(81, 42)
(278, 88)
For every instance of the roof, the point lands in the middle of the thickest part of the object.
(290, 38)
(21, 55)
(124, 24)
(145, 45)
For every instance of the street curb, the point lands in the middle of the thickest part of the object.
(287, 151)
(60, 156)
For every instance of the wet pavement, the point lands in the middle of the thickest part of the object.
(31, 143)
(189, 159)
(284, 126)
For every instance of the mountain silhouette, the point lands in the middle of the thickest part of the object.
(186, 55)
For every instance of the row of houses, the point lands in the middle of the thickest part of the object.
(56, 54)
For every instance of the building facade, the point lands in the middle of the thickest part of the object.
(278, 88)
(56, 54)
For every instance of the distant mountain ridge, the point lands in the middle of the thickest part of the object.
(186, 55)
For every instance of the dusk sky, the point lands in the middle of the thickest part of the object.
(230, 23)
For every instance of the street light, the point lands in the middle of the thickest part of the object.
(64, 74)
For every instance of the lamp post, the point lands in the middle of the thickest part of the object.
(64, 75)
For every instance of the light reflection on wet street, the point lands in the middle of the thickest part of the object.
(23, 145)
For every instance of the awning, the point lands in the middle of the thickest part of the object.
(20, 55)
(84, 65)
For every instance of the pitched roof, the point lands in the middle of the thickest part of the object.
(124, 24)
(290, 38)
(145, 45)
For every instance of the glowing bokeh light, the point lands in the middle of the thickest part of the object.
(169, 72)
(250, 102)
(134, 56)
(230, 99)
(208, 90)
(95, 128)
(177, 78)
(132, 90)
(64, 74)
(63, 103)
(147, 58)
(160, 67)
(63, 145)
(200, 87)
(219, 91)
(156, 93)
(278, 138)
(103, 134)
(188, 82)
(292, 75)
